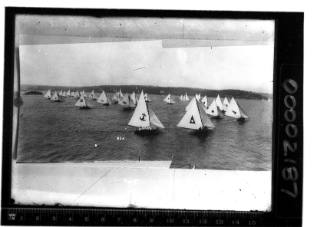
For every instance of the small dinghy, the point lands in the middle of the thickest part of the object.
(55, 97)
(169, 100)
(128, 102)
(234, 110)
(196, 118)
(82, 104)
(48, 94)
(204, 101)
(225, 104)
(103, 99)
(144, 119)
(214, 111)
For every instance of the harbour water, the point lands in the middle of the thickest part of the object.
(60, 132)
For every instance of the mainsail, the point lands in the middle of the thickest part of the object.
(195, 117)
(169, 99)
(235, 111)
(214, 110)
(55, 97)
(103, 99)
(48, 94)
(92, 95)
(143, 117)
(186, 98)
(81, 102)
(124, 101)
(204, 101)
(68, 93)
(219, 103)
(198, 96)
(225, 104)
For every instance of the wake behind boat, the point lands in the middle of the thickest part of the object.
(144, 119)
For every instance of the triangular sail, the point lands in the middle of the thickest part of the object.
(213, 109)
(191, 118)
(48, 94)
(186, 98)
(81, 102)
(55, 97)
(233, 109)
(68, 93)
(204, 101)
(154, 120)
(124, 101)
(204, 117)
(198, 97)
(140, 118)
(225, 104)
(169, 99)
(133, 101)
(103, 99)
(219, 103)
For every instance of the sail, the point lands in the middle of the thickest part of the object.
(140, 118)
(204, 117)
(233, 109)
(81, 102)
(64, 93)
(181, 97)
(92, 95)
(60, 93)
(154, 119)
(68, 93)
(55, 97)
(186, 97)
(103, 98)
(48, 94)
(204, 101)
(225, 104)
(219, 103)
(198, 96)
(169, 99)
(191, 118)
(124, 101)
(213, 109)
(133, 99)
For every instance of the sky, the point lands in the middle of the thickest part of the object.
(212, 54)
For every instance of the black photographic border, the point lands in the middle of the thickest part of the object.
(287, 149)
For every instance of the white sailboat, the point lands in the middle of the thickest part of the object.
(55, 97)
(234, 110)
(81, 103)
(92, 95)
(64, 94)
(169, 99)
(196, 118)
(144, 119)
(219, 103)
(128, 102)
(115, 98)
(76, 95)
(204, 101)
(186, 98)
(198, 97)
(68, 93)
(48, 94)
(181, 97)
(225, 104)
(103, 99)
(214, 111)
(147, 98)
(60, 93)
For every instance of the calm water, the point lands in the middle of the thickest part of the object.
(60, 132)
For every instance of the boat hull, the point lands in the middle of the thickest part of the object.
(147, 132)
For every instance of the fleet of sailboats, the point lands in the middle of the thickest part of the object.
(197, 116)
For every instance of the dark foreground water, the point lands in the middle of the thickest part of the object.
(60, 132)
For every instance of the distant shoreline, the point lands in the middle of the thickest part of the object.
(155, 90)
